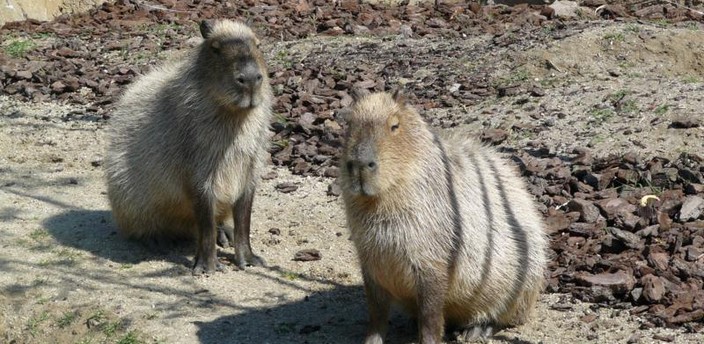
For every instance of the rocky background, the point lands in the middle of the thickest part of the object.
(627, 229)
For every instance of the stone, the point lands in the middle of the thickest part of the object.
(629, 239)
(42, 10)
(307, 255)
(588, 212)
(286, 187)
(692, 208)
(614, 206)
(565, 9)
(619, 282)
(653, 288)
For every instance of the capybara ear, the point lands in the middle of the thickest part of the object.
(399, 96)
(358, 93)
(206, 28)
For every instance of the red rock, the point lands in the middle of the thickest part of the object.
(588, 212)
(692, 208)
(619, 282)
(653, 288)
(307, 255)
(659, 260)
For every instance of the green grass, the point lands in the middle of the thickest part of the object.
(662, 109)
(601, 115)
(615, 37)
(631, 28)
(516, 76)
(67, 319)
(690, 79)
(692, 26)
(130, 338)
(33, 322)
(39, 234)
(20, 47)
(111, 328)
(291, 276)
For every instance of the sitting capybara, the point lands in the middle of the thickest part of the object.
(443, 226)
(187, 144)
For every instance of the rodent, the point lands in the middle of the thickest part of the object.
(442, 225)
(187, 143)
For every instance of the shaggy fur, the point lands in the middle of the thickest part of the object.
(187, 143)
(442, 225)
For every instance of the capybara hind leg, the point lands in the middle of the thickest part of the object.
(242, 215)
(226, 236)
(379, 303)
(476, 333)
(206, 258)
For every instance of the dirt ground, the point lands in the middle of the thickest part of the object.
(68, 277)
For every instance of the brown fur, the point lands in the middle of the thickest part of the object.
(188, 141)
(442, 225)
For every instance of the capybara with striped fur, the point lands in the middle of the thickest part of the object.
(187, 144)
(443, 226)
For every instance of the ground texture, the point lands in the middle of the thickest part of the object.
(598, 110)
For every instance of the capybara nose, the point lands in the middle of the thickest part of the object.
(249, 80)
(368, 166)
(249, 77)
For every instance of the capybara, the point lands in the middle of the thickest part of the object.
(187, 144)
(442, 225)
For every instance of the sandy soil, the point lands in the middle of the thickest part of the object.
(68, 277)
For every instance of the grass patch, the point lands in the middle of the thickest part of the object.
(67, 319)
(662, 109)
(111, 328)
(615, 37)
(516, 76)
(130, 338)
(632, 28)
(291, 276)
(692, 26)
(33, 322)
(39, 234)
(20, 48)
(691, 79)
(600, 115)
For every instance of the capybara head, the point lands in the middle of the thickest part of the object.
(234, 66)
(384, 144)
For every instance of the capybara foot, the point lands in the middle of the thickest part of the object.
(248, 259)
(207, 266)
(476, 333)
(225, 236)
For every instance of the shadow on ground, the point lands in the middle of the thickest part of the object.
(334, 316)
(95, 232)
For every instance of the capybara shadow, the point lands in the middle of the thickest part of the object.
(95, 231)
(336, 316)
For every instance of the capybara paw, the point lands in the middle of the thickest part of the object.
(374, 339)
(225, 237)
(251, 259)
(476, 333)
(203, 268)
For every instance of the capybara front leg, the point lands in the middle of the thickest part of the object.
(206, 255)
(432, 290)
(242, 212)
(379, 303)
